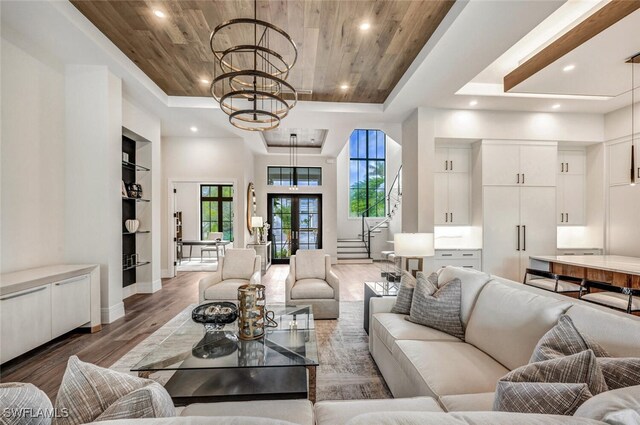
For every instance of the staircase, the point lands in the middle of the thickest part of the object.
(358, 250)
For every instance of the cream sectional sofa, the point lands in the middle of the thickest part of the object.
(503, 322)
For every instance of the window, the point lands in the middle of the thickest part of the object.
(216, 210)
(299, 176)
(367, 173)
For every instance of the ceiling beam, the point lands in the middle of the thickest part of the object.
(602, 19)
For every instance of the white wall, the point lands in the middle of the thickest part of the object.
(32, 160)
(327, 190)
(194, 159)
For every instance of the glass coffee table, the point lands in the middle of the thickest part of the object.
(218, 366)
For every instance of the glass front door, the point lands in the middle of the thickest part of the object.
(296, 223)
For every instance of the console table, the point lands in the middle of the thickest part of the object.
(613, 269)
(264, 251)
(38, 305)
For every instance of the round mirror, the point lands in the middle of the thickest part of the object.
(251, 206)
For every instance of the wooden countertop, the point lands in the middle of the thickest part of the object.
(30, 278)
(613, 263)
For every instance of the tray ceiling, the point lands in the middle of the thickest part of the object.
(333, 51)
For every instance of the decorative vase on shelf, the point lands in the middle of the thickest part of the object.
(132, 225)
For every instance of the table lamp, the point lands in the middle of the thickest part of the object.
(414, 246)
(256, 223)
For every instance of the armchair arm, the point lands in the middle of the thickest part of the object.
(209, 281)
(257, 264)
(255, 278)
(291, 279)
(332, 279)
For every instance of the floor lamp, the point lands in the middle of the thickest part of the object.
(414, 246)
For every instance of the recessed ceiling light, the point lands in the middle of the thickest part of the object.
(569, 68)
(159, 13)
(555, 106)
(365, 26)
(473, 103)
(344, 86)
(194, 129)
(204, 81)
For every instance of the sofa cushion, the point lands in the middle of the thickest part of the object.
(405, 294)
(477, 402)
(151, 401)
(438, 308)
(311, 289)
(472, 283)
(557, 386)
(295, 411)
(21, 397)
(507, 322)
(391, 327)
(620, 372)
(200, 420)
(87, 391)
(618, 333)
(564, 339)
(599, 406)
(310, 264)
(238, 264)
(439, 368)
(225, 290)
(341, 411)
(466, 418)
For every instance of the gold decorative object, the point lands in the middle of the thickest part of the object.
(253, 318)
(250, 74)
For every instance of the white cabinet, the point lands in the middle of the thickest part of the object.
(452, 191)
(521, 164)
(25, 318)
(70, 304)
(467, 258)
(620, 163)
(518, 222)
(571, 193)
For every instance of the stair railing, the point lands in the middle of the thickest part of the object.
(394, 194)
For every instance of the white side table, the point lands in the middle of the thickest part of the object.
(264, 251)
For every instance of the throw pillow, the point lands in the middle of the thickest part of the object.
(24, 403)
(562, 340)
(87, 391)
(405, 294)
(151, 401)
(620, 372)
(557, 386)
(438, 308)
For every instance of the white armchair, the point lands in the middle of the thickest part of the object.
(312, 282)
(238, 267)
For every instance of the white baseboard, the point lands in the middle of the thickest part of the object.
(113, 313)
(127, 291)
(149, 287)
(165, 274)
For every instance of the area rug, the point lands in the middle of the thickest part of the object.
(346, 372)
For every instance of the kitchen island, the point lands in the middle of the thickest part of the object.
(613, 269)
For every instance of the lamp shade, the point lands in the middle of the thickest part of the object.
(413, 244)
(256, 222)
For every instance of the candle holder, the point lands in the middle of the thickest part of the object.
(253, 317)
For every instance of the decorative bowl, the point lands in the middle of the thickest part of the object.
(215, 315)
(215, 345)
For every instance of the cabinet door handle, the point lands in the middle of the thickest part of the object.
(42, 288)
(561, 217)
(451, 217)
(447, 255)
(446, 217)
(451, 165)
(522, 178)
(524, 238)
(567, 166)
(446, 165)
(64, 282)
(518, 232)
(562, 167)
(518, 178)
(566, 217)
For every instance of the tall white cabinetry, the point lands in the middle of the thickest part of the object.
(571, 199)
(519, 204)
(452, 186)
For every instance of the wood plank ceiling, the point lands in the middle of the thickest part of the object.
(333, 51)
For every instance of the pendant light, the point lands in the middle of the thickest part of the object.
(293, 159)
(253, 61)
(632, 61)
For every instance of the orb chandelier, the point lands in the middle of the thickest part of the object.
(253, 61)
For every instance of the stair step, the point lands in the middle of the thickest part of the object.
(351, 248)
(355, 261)
(352, 255)
(350, 240)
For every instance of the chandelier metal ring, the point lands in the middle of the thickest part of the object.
(230, 109)
(248, 48)
(253, 73)
(252, 21)
(233, 116)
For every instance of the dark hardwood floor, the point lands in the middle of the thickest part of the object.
(145, 313)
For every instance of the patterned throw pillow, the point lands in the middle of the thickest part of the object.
(405, 294)
(87, 392)
(438, 308)
(620, 372)
(562, 340)
(21, 398)
(558, 386)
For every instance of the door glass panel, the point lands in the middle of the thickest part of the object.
(281, 227)
(309, 222)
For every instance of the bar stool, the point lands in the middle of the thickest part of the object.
(616, 297)
(551, 281)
